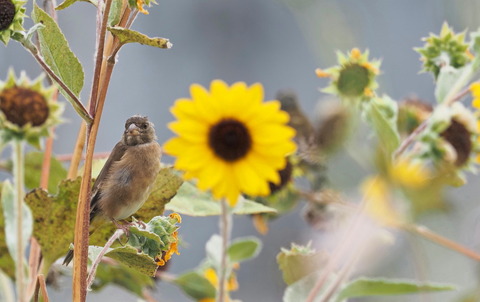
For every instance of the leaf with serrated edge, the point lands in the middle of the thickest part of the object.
(132, 258)
(364, 287)
(130, 36)
(56, 52)
(193, 202)
(245, 248)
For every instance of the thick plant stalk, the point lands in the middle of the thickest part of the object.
(225, 232)
(19, 174)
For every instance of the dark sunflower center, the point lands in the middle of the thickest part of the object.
(7, 13)
(230, 140)
(353, 80)
(22, 105)
(459, 137)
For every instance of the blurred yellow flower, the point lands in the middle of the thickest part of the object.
(376, 193)
(409, 174)
(475, 89)
(230, 140)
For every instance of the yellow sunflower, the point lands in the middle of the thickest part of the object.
(230, 140)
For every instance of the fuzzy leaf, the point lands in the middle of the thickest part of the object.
(138, 261)
(56, 52)
(10, 215)
(298, 262)
(7, 265)
(300, 290)
(364, 287)
(193, 202)
(447, 76)
(382, 115)
(7, 292)
(33, 164)
(243, 249)
(196, 286)
(213, 250)
(130, 36)
(166, 186)
(115, 12)
(54, 218)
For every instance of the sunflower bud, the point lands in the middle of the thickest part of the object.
(446, 49)
(354, 77)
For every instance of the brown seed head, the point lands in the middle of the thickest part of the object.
(23, 105)
(7, 13)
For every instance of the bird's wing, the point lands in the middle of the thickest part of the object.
(116, 154)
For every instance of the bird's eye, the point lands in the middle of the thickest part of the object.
(144, 126)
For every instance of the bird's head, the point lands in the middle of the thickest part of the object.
(138, 130)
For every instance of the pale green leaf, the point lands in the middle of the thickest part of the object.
(10, 215)
(196, 286)
(193, 202)
(300, 290)
(133, 259)
(213, 249)
(7, 293)
(447, 76)
(130, 36)
(382, 115)
(299, 261)
(364, 287)
(115, 12)
(56, 52)
(242, 249)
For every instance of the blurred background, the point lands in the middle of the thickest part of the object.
(278, 43)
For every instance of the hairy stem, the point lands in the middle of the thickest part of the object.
(18, 172)
(225, 231)
(83, 211)
(41, 286)
(91, 276)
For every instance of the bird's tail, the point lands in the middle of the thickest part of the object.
(68, 258)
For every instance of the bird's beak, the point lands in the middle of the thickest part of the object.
(133, 129)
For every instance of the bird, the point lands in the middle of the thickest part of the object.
(127, 178)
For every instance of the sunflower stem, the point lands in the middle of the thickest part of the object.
(18, 172)
(225, 232)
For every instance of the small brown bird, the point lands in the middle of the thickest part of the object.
(127, 178)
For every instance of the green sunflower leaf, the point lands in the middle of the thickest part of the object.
(130, 36)
(54, 218)
(6, 287)
(196, 286)
(57, 54)
(298, 262)
(364, 287)
(382, 113)
(450, 80)
(132, 258)
(299, 290)
(242, 249)
(7, 265)
(10, 214)
(193, 202)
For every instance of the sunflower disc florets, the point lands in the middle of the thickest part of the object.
(12, 14)
(27, 110)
